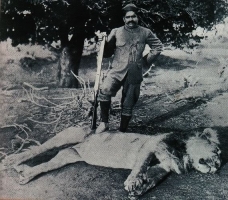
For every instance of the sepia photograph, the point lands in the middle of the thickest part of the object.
(113, 99)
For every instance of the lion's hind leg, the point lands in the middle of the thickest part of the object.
(71, 135)
(150, 179)
(64, 157)
(16, 159)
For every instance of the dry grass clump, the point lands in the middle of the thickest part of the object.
(52, 110)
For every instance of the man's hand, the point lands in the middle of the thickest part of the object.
(100, 35)
(152, 57)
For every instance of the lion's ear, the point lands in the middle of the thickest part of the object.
(210, 135)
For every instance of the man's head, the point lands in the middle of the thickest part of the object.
(130, 16)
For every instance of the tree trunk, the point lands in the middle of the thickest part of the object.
(72, 50)
(70, 59)
(76, 49)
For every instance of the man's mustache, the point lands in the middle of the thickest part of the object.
(131, 22)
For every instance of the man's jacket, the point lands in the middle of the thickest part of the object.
(129, 45)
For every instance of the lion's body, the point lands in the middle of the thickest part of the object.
(126, 150)
(116, 150)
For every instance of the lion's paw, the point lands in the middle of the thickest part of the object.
(12, 160)
(2, 166)
(133, 197)
(132, 183)
(23, 179)
(8, 161)
(25, 174)
(20, 168)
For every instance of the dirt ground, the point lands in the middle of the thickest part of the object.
(166, 104)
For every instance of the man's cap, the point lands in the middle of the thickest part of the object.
(130, 7)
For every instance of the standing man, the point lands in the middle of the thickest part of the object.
(129, 42)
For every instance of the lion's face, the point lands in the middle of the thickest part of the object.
(208, 158)
(204, 155)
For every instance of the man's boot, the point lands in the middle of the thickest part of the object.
(105, 107)
(124, 123)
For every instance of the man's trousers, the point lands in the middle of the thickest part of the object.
(130, 93)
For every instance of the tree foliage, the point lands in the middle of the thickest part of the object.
(45, 21)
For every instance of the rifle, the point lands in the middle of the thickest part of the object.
(97, 82)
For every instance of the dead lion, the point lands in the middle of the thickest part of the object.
(129, 151)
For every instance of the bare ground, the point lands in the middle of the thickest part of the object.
(156, 111)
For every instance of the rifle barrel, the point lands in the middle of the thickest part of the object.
(99, 63)
(97, 82)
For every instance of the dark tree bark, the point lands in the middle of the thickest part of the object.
(63, 34)
(76, 48)
(70, 59)
(72, 50)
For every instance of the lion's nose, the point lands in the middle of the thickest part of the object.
(217, 164)
(213, 170)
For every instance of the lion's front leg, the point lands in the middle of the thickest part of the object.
(153, 176)
(139, 172)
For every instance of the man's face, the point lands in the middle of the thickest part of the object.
(130, 19)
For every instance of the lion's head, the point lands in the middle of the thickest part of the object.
(203, 151)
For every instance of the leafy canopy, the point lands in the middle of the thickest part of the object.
(45, 21)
